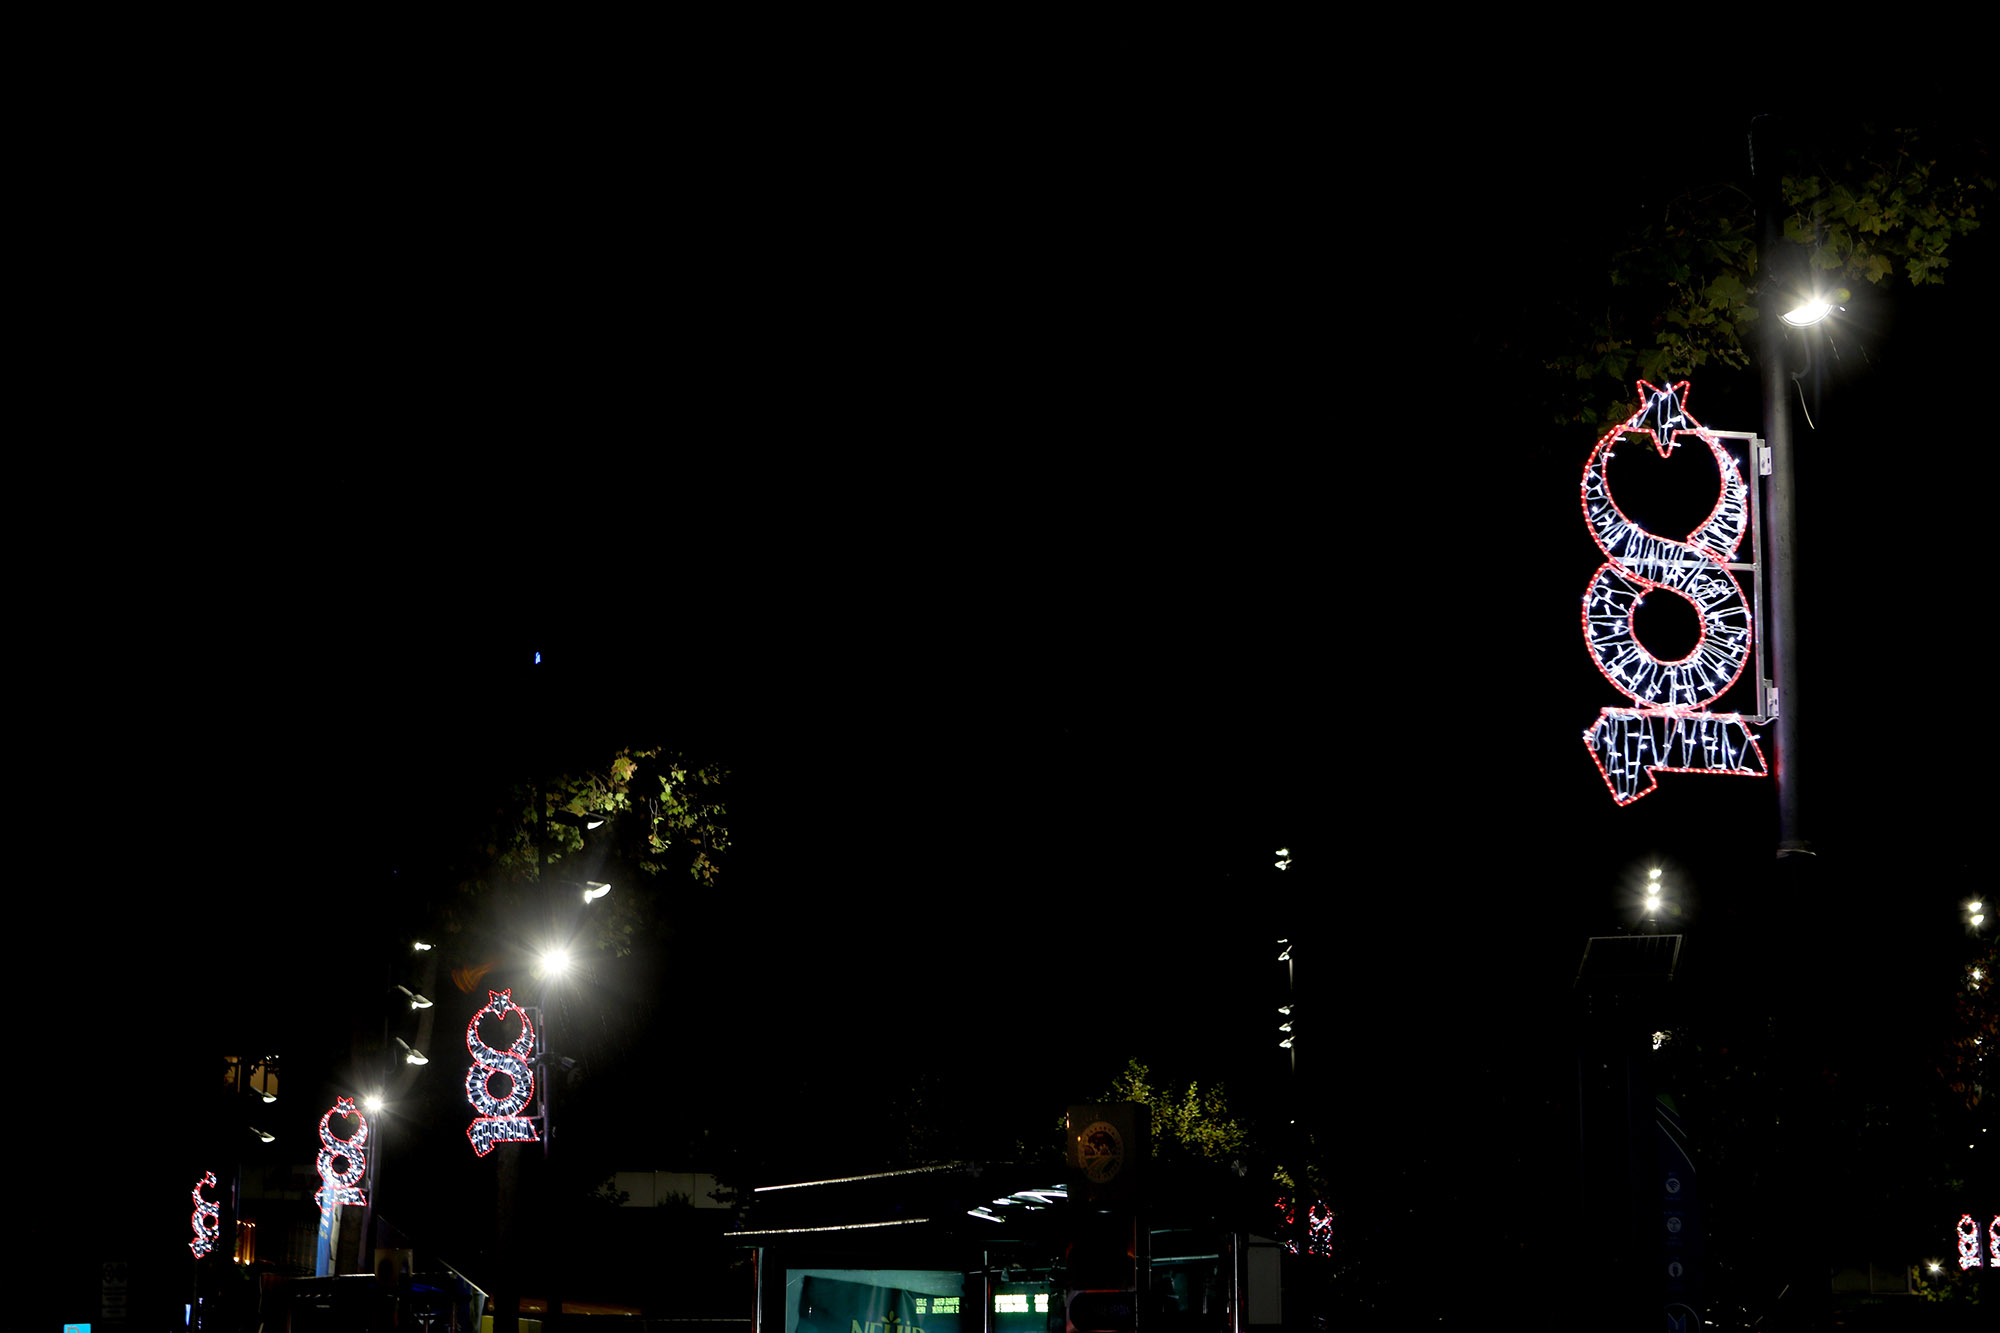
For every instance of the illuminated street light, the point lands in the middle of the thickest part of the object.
(1808, 313)
(555, 962)
(1654, 892)
(592, 890)
(416, 1001)
(411, 1055)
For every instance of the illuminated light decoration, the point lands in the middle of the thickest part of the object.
(1993, 1241)
(1319, 1230)
(1287, 1219)
(338, 1187)
(207, 1217)
(1666, 731)
(1968, 1242)
(499, 1119)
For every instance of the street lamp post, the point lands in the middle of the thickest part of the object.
(1777, 309)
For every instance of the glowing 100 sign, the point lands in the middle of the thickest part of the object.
(206, 1217)
(1666, 728)
(343, 1185)
(500, 1119)
(1968, 1241)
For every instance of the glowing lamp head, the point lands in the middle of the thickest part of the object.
(555, 962)
(593, 890)
(1807, 313)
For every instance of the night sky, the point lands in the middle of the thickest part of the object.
(1043, 525)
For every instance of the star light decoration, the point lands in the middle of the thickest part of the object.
(499, 1119)
(1667, 729)
(338, 1187)
(207, 1218)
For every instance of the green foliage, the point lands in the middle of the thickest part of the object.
(1949, 1285)
(660, 811)
(1683, 286)
(1194, 1122)
(682, 812)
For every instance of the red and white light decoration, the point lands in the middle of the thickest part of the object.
(343, 1186)
(1667, 729)
(207, 1217)
(1319, 1227)
(1319, 1230)
(500, 1120)
(1968, 1242)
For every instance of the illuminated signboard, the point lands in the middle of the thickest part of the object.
(206, 1217)
(500, 1119)
(1666, 729)
(343, 1185)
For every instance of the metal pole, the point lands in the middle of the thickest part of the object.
(1780, 536)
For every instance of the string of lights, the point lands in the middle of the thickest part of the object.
(499, 1118)
(338, 1187)
(1666, 732)
(207, 1217)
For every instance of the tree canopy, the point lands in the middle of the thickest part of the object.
(1680, 290)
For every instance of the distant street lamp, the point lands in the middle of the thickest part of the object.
(1653, 892)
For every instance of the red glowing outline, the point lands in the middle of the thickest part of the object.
(207, 1217)
(340, 1187)
(487, 1130)
(1714, 539)
(1704, 539)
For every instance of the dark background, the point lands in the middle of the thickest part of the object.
(1046, 498)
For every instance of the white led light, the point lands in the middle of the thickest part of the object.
(1666, 730)
(499, 1119)
(338, 1187)
(206, 1217)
